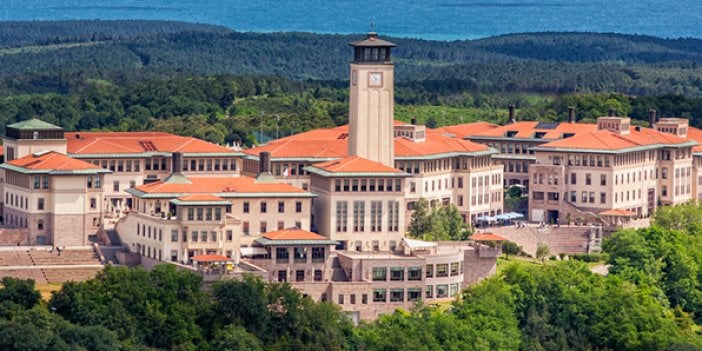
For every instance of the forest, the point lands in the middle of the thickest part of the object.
(231, 87)
(650, 300)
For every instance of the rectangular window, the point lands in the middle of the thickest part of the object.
(442, 270)
(414, 294)
(246, 207)
(264, 207)
(397, 273)
(115, 185)
(245, 228)
(359, 220)
(191, 214)
(603, 179)
(588, 179)
(281, 207)
(194, 235)
(263, 227)
(174, 235)
(40, 203)
(318, 255)
(282, 255)
(414, 273)
(397, 295)
(376, 216)
(430, 271)
(603, 198)
(380, 273)
(341, 216)
(379, 295)
(230, 235)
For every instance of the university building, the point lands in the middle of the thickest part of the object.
(325, 210)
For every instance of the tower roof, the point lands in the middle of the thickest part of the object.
(34, 124)
(372, 40)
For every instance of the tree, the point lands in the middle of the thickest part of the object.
(542, 251)
(510, 248)
(235, 338)
(19, 291)
(420, 222)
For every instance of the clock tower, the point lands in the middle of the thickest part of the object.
(371, 106)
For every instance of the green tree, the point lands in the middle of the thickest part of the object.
(19, 291)
(542, 251)
(235, 338)
(510, 248)
(420, 222)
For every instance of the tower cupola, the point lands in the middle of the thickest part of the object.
(372, 50)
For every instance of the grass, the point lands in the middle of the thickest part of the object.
(46, 289)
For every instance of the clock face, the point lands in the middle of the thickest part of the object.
(375, 79)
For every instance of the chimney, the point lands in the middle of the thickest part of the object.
(177, 162)
(512, 114)
(571, 114)
(651, 118)
(612, 112)
(414, 121)
(264, 162)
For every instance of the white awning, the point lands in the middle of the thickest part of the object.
(252, 251)
(418, 244)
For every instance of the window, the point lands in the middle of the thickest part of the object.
(230, 235)
(40, 203)
(359, 209)
(191, 214)
(264, 207)
(414, 294)
(115, 185)
(263, 227)
(441, 291)
(282, 255)
(40, 224)
(588, 179)
(246, 207)
(194, 235)
(281, 207)
(603, 179)
(300, 275)
(397, 295)
(442, 270)
(430, 271)
(341, 216)
(318, 255)
(414, 273)
(298, 207)
(380, 273)
(379, 295)
(454, 268)
(397, 273)
(37, 182)
(429, 291)
(174, 235)
(245, 228)
(318, 275)
(603, 198)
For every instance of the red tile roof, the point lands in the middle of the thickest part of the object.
(618, 213)
(609, 141)
(200, 197)
(696, 135)
(81, 143)
(355, 164)
(467, 129)
(486, 237)
(213, 185)
(52, 161)
(528, 130)
(333, 143)
(293, 234)
(211, 258)
(435, 143)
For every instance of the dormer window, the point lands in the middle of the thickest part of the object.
(539, 135)
(568, 135)
(511, 133)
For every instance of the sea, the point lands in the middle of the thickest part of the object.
(424, 19)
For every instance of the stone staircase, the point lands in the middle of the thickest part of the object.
(563, 239)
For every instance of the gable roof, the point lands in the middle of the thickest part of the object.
(605, 141)
(354, 166)
(466, 129)
(84, 144)
(222, 187)
(51, 162)
(34, 124)
(294, 236)
(332, 143)
(528, 130)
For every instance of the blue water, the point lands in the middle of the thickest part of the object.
(427, 19)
